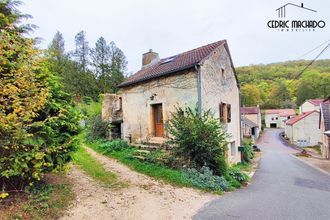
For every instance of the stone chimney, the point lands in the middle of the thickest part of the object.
(149, 58)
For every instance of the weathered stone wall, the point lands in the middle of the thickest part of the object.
(111, 108)
(217, 88)
(179, 89)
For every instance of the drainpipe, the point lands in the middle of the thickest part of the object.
(199, 90)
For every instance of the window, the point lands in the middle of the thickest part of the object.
(276, 118)
(232, 149)
(288, 117)
(222, 72)
(228, 113)
(225, 112)
(118, 104)
(272, 119)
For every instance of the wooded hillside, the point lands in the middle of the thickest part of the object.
(277, 85)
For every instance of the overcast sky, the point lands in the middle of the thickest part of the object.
(173, 26)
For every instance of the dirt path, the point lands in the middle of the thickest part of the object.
(144, 198)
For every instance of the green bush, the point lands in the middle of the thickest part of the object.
(96, 128)
(206, 180)
(237, 174)
(222, 165)
(199, 140)
(115, 145)
(38, 122)
(87, 100)
(247, 152)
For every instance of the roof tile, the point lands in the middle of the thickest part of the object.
(181, 62)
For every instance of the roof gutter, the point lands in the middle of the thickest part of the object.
(199, 90)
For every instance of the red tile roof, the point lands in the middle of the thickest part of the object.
(281, 112)
(180, 62)
(294, 120)
(315, 102)
(250, 110)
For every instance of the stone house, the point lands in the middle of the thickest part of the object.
(324, 125)
(204, 77)
(310, 105)
(303, 130)
(276, 118)
(251, 122)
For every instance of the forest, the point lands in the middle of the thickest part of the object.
(284, 84)
(86, 71)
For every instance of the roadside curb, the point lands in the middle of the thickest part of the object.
(311, 165)
(288, 144)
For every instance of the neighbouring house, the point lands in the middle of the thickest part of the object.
(204, 77)
(324, 125)
(251, 122)
(276, 118)
(310, 105)
(303, 130)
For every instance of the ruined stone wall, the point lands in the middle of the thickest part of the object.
(217, 87)
(111, 108)
(179, 89)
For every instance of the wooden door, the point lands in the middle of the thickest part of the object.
(158, 120)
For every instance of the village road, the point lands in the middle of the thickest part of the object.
(282, 188)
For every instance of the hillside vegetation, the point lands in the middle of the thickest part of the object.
(277, 85)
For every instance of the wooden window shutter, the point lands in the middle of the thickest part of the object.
(221, 112)
(228, 113)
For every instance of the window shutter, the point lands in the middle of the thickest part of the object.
(228, 113)
(221, 112)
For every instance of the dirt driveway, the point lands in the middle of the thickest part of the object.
(144, 198)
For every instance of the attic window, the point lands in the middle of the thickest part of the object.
(167, 60)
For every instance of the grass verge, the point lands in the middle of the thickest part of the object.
(95, 169)
(158, 172)
(47, 199)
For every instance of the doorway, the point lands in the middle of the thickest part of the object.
(273, 125)
(157, 111)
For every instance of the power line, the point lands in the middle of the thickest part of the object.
(310, 63)
(313, 49)
(324, 49)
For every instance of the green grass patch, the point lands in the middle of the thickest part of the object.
(158, 172)
(95, 169)
(45, 200)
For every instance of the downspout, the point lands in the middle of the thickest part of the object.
(199, 90)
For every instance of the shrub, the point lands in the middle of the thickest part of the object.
(115, 145)
(247, 152)
(222, 165)
(206, 180)
(38, 123)
(237, 174)
(96, 128)
(199, 140)
(87, 100)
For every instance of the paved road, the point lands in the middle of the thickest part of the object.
(282, 188)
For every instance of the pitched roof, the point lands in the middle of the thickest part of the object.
(315, 102)
(325, 112)
(250, 110)
(177, 63)
(249, 123)
(294, 120)
(280, 112)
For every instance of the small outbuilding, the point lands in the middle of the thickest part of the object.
(310, 105)
(276, 118)
(303, 130)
